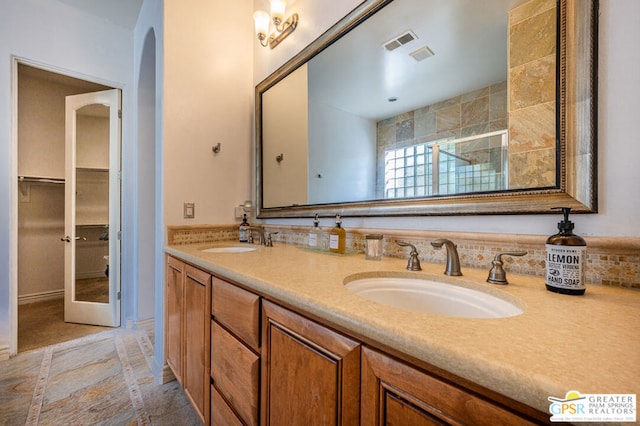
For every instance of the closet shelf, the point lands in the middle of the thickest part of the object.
(40, 179)
(33, 179)
(92, 169)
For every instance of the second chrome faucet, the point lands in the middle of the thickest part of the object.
(266, 240)
(453, 261)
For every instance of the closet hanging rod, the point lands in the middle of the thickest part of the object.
(39, 179)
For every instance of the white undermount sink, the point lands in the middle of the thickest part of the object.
(229, 249)
(430, 295)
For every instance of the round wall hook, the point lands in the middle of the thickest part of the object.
(216, 148)
(279, 158)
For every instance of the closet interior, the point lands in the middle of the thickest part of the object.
(41, 207)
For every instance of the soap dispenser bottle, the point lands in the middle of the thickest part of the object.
(566, 259)
(338, 237)
(315, 234)
(244, 230)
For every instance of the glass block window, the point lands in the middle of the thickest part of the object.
(472, 164)
(408, 172)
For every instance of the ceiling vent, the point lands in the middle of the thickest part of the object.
(401, 40)
(422, 53)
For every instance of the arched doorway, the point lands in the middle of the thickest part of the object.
(148, 194)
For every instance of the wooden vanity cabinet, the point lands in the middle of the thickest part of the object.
(244, 360)
(188, 304)
(197, 335)
(310, 374)
(174, 295)
(235, 355)
(396, 393)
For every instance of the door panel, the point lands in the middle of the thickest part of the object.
(92, 208)
(310, 373)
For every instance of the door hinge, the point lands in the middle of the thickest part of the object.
(119, 175)
(120, 114)
(118, 296)
(119, 235)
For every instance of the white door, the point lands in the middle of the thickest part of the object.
(92, 208)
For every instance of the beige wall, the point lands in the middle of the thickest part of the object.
(285, 181)
(207, 94)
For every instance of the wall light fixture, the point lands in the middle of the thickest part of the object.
(262, 21)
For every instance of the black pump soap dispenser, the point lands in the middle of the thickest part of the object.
(566, 259)
(244, 230)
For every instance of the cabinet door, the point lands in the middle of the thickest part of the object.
(174, 299)
(310, 374)
(197, 337)
(396, 393)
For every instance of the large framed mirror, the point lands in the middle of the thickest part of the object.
(434, 107)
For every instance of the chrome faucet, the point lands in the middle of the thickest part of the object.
(266, 240)
(497, 275)
(260, 232)
(414, 262)
(453, 261)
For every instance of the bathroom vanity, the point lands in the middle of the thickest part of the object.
(272, 336)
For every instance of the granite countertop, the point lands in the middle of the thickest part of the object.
(588, 343)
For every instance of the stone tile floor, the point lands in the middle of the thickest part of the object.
(104, 378)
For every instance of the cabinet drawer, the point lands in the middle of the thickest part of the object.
(238, 310)
(235, 371)
(221, 414)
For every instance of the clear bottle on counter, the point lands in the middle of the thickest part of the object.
(373, 247)
(315, 235)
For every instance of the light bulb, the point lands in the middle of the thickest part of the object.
(261, 22)
(277, 11)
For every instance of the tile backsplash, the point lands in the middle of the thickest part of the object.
(610, 261)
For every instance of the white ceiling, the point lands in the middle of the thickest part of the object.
(123, 13)
(468, 38)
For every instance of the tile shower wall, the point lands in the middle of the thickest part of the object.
(610, 261)
(481, 111)
(525, 104)
(532, 95)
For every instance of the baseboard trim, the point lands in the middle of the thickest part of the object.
(90, 275)
(4, 353)
(147, 325)
(40, 297)
(167, 374)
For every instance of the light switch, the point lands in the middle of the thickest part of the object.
(189, 210)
